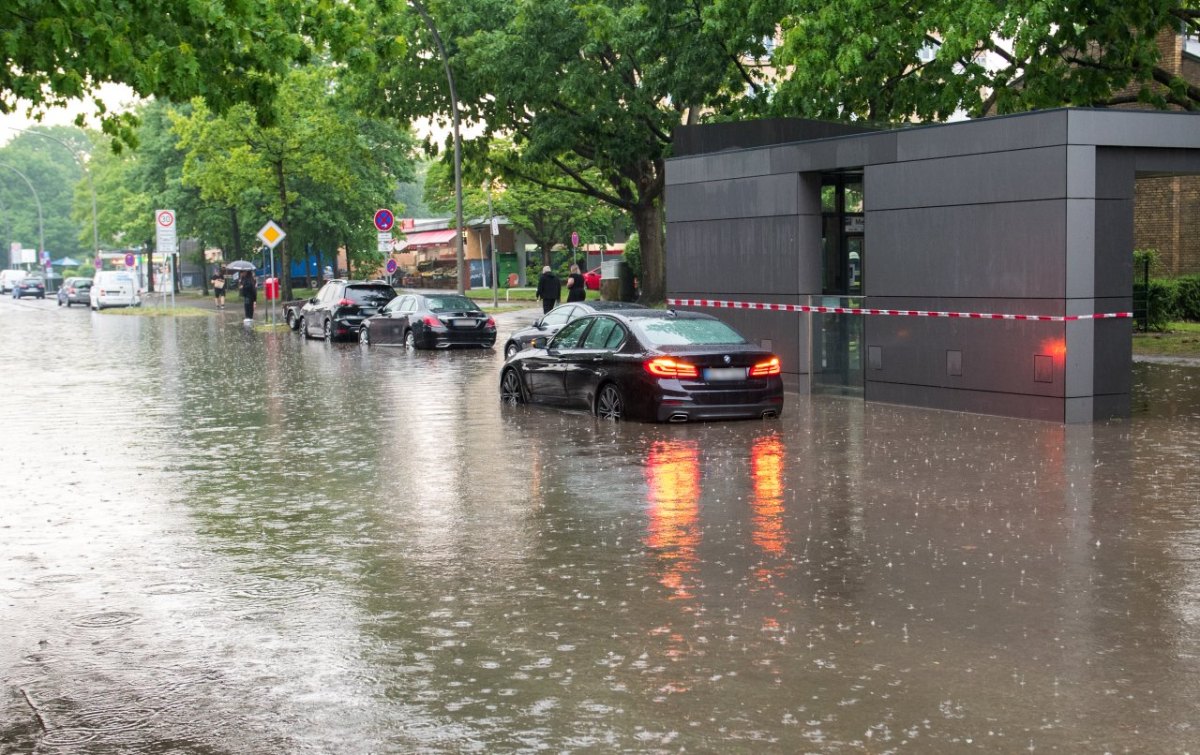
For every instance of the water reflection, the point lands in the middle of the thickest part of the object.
(673, 496)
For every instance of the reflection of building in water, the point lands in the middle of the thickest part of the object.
(766, 469)
(673, 481)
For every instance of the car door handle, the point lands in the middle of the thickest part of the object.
(597, 359)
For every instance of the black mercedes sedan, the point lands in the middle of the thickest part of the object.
(430, 321)
(553, 321)
(648, 364)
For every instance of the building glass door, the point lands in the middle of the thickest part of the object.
(837, 339)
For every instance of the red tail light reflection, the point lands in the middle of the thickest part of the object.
(345, 303)
(432, 321)
(491, 323)
(668, 367)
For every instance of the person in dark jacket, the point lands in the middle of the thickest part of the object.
(576, 287)
(248, 287)
(549, 289)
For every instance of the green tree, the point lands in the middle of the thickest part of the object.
(224, 52)
(591, 87)
(54, 173)
(895, 61)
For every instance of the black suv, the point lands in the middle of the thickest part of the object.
(340, 306)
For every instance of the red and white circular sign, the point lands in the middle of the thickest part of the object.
(166, 218)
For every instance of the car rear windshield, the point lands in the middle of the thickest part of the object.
(684, 332)
(376, 295)
(451, 304)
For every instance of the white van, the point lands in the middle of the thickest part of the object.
(8, 278)
(114, 288)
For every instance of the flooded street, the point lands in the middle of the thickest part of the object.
(216, 540)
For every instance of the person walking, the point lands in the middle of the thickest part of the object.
(576, 288)
(549, 289)
(249, 292)
(218, 284)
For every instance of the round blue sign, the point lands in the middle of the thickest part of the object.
(384, 220)
(129, 260)
(391, 266)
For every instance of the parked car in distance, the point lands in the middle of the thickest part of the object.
(30, 285)
(75, 291)
(340, 306)
(660, 366)
(9, 277)
(591, 279)
(114, 288)
(538, 334)
(430, 321)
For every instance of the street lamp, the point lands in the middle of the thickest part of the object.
(38, 201)
(492, 244)
(91, 187)
(460, 255)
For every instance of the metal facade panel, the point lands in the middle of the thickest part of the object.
(1133, 128)
(785, 333)
(760, 196)
(1112, 255)
(834, 154)
(969, 179)
(1047, 408)
(739, 164)
(1115, 173)
(747, 255)
(1081, 248)
(999, 134)
(1015, 249)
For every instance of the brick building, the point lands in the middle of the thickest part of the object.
(1167, 209)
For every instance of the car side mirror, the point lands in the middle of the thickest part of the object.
(312, 300)
(539, 324)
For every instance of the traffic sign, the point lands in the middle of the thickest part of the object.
(384, 220)
(271, 234)
(129, 260)
(164, 228)
(574, 238)
(391, 267)
(384, 241)
(98, 263)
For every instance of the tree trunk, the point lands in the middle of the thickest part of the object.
(308, 255)
(653, 281)
(285, 262)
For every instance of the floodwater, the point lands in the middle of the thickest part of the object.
(216, 540)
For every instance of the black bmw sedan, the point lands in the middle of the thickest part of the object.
(651, 365)
(430, 321)
(553, 321)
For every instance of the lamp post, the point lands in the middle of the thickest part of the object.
(38, 201)
(91, 187)
(492, 244)
(460, 255)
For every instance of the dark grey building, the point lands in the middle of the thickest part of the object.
(1027, 214)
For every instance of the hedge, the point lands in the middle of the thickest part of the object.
(1172, 299)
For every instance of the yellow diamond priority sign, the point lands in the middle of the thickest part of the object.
(271, 234)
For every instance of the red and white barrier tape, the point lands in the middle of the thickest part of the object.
(765, 306)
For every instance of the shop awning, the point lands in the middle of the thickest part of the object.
(425, 239)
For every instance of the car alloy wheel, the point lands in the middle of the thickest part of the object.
(410, 340)
(610, 404)
(302, 326)
(291, 320)
(511, 349)
(327, 331)
(510, 388)
(364, 336)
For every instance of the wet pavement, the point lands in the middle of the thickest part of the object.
(220, 540)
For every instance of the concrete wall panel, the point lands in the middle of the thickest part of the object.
(719, 167)
(1000, 250)
(734, 257)
(1112, 256)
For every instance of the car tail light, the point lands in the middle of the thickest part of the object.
(668, 367)
(431, 321)
(71, 290)
(766, 368)
(345, 303)
(491, 323)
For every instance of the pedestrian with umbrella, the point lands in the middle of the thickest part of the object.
(247, 286)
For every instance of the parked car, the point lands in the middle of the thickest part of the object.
(430, 321)
(553, 321)
(75, 291)
(30, 285)
(114, 288)
(9, 277)
(340, 306)
(648, 364)
(591, 279)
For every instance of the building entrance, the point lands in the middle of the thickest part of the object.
(837, 340)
